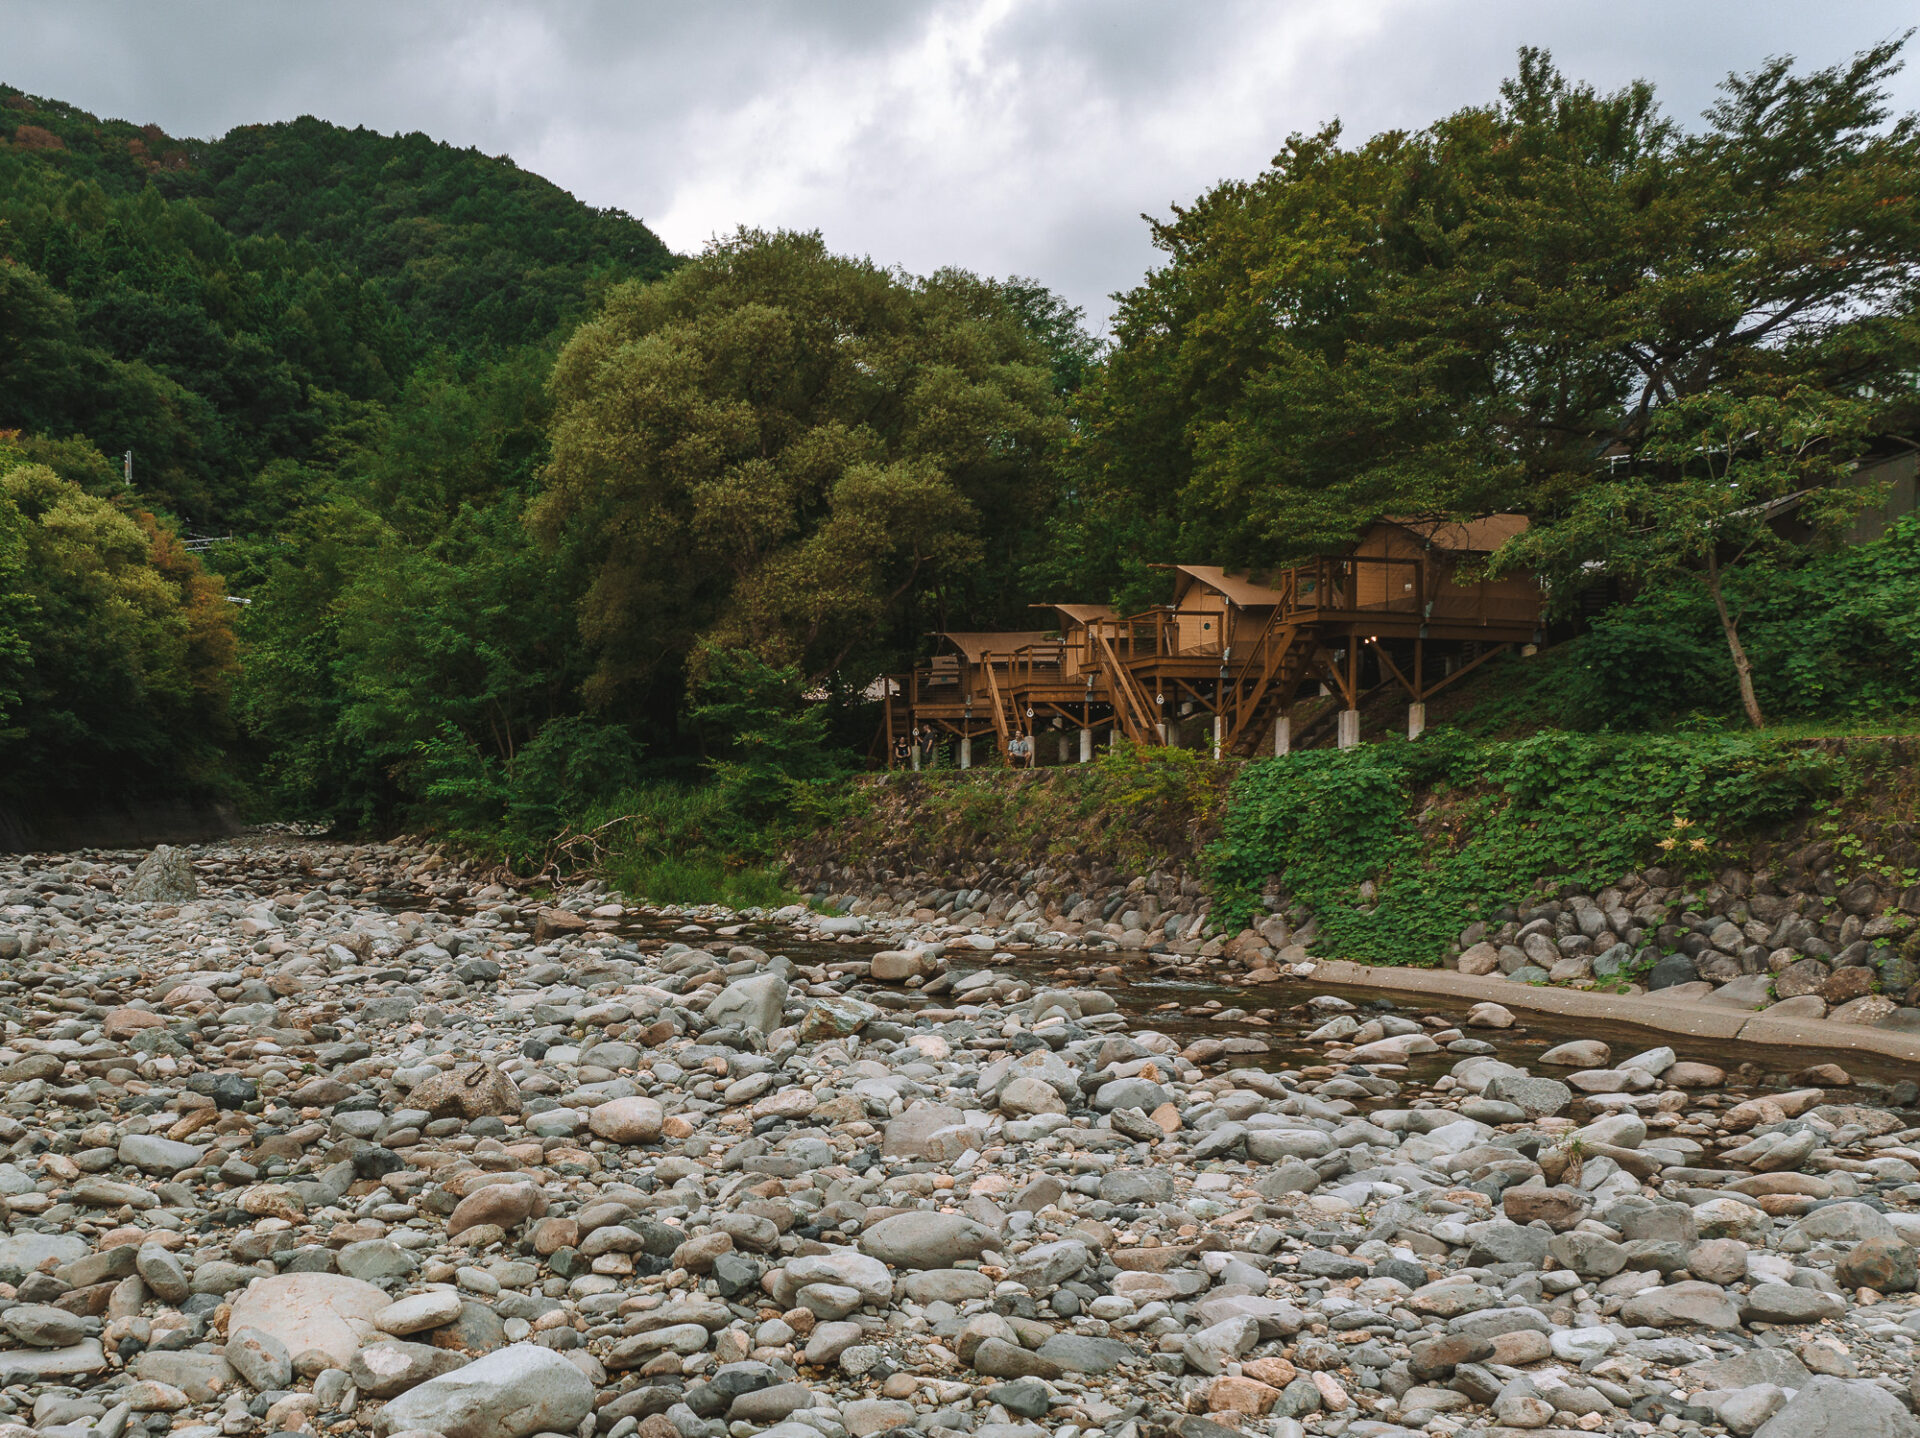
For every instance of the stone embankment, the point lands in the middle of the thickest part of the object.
(337, 1140)
(1796, 944)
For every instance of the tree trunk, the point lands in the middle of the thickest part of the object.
(1742, 666)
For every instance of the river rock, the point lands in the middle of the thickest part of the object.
(926, 1240)
(1834, 1408)
(382, 1370)
(473, 1091)
(520, 1390)
(754, 1003)
(323, 1312)
(164, 876)
(628, 1120)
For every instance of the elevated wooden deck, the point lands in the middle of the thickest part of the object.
(1229, 648)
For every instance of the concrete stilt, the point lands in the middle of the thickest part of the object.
(1161, 729)
(1219, 734)
(1086, 746)
(966, 752)
(1349, 731)
(1416, 720)
(1066, 748)
(916, 758)
(1282, 735)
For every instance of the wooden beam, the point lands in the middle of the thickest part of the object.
(1467, 668)
(1386, 660)
(1349, 683)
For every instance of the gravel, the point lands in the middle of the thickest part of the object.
(352, 1139)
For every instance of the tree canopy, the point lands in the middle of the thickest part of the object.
(1469, 317)
(798, 454)
(116, 647)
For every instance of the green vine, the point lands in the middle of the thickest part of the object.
(1394, 847)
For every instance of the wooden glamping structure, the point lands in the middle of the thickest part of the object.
(1235, 647)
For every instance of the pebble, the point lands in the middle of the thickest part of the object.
(354, 1138)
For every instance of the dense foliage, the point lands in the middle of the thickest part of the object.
(797, 454)
(1835, 641)
(1474, 316)
(1390, 882)
(115, 645)
(216, 307)
(334, 345)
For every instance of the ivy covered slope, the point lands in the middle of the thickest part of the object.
(226, 309)
(1396, 848)
(1385, 854)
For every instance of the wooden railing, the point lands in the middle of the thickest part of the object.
(1353, 585)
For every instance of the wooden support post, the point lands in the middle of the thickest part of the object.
(1282, 735)
(1349, 721)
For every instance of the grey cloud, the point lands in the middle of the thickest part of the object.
(1003, 137)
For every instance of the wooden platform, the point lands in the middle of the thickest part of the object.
(1236, 648)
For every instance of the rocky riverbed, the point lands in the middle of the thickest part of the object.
(339, 1139)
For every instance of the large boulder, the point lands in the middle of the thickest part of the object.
(927, 1240)
(1837, 1408)
(1690, 1304)
(308, 1312)
(164, 876)
(519, 1390)
(754, 1003)
(637, 1119)
(477, 1091)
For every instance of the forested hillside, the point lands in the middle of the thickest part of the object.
(218, 307)
(268, 322)
(334, 350)
(531, 532)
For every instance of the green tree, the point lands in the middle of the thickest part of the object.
(116, 647)
(405, 603)
(1466, 318)
(793, 453)
(1725, 490)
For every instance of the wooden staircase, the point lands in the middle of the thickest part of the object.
(1266, 683)
(1133, 711)
(1000, 703)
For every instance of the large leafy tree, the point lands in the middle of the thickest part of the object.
(1725, 491)
(1471, 316)
(797, 454)
(406, 605)
(116, 647)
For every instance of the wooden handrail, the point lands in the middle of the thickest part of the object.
(1129, 705)
(999, 706)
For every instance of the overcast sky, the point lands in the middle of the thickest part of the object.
(1007, 138)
